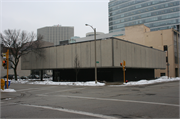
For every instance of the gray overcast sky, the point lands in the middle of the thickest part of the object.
(30, 15)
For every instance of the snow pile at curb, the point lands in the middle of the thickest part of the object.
(8, 90)
(144, 81)
(49, 82)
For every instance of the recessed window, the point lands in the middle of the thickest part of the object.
(165, 47)
(163, 74)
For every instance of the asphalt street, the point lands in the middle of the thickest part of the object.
(46, 101)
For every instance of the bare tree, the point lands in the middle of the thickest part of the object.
(20, 43)
(76, 65)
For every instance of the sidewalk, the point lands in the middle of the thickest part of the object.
(113, 83)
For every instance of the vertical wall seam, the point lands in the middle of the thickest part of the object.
(177, 53)
(56, 56)
(100, 62)
(63, 57)
(112, 52)
(90, 54)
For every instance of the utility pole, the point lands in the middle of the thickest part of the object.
(7, 59)
(94, 51)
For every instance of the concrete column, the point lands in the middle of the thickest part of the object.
(41, 75)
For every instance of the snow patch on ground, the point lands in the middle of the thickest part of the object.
(8, 90)
(48, 81)
(144, 81)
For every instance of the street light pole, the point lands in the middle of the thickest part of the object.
(167, 63)
(94, 51)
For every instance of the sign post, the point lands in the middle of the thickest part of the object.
(7, 59)
(124, 64)
(124, 69)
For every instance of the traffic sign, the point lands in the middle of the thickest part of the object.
(4, 55)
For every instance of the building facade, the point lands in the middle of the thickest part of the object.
(55, 34)
(155, 14)
(140, 60)
(158, 39)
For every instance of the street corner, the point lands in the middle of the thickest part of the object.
(8, 90)
(7, 94)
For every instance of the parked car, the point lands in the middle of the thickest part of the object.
(17, 77)
(10, 76)
(24, 77)
(33, 76)
(46, 76)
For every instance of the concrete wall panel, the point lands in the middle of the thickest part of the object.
(150, 55)
(60, 57)
(73, 55)
(147, 59)
(143, 57)
(106, 53)
(88, 54)
(154, 59)
(52, 57)
(67, 56)
(136, 56)
(162, 59)
(33, 61)
(123, 51)
(133, 63)
(38, 62)
(159, 58)
(117, 53)
(78, 52)
(45, 62)
(26, 62)
(85, 54)
(129, 55)
(92, 55)
(98, 53)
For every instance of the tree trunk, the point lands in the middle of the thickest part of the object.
(15, 73)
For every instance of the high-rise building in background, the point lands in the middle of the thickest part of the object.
(56, 33)
(155, 14)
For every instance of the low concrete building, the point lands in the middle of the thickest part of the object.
(140, 60)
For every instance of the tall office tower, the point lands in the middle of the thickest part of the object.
(56, 33)
(155, 14)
